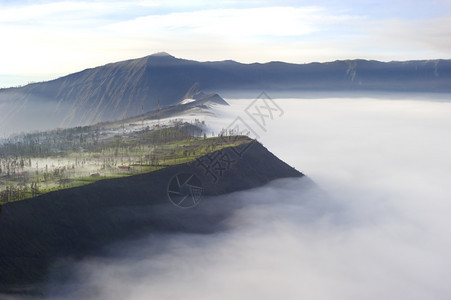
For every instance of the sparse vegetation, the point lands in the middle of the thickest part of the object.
(38, 163)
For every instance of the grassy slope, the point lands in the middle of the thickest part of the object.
(194, 147)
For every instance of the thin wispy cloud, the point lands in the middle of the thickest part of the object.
(228, 23)
(431, 35)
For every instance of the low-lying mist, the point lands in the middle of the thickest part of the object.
(377, 226)
(24, 117)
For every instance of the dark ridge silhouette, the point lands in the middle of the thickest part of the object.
(82, 221)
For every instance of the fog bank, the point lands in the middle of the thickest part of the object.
(377, 227)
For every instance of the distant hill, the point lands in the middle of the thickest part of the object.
(126, 88)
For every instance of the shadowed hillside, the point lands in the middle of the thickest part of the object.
(81, 221)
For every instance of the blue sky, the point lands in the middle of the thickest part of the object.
(42, 40)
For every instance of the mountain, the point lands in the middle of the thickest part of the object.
(128, 88)
(196, 96)
(37, 233)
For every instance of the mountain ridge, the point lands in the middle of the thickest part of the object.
(232, 62)
(127, 88)
(82, 221)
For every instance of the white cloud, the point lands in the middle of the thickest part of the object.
(430, 35)
(58, 13)
(59, 38)
(236, 23)
(64, 37)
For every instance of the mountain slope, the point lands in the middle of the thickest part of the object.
(81, 221)
(126, 88)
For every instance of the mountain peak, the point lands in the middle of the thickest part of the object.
(161, 54)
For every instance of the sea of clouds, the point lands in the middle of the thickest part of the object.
(377, 226)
